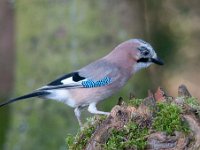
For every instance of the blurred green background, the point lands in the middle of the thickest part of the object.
(43, 39)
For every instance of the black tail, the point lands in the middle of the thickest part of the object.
(34, 94)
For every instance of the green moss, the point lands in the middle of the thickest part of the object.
(70, 140)
(168, 119)
(79, 141)
(193, 102)
(135, 102)
(131, 136)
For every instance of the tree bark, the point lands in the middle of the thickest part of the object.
(7, 55)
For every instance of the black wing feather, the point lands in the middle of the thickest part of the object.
(75, 76)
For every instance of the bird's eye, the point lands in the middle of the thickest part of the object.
(144, 51)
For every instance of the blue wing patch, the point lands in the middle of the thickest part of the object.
(91, 83)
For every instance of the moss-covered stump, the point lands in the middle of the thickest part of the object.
(156, 122)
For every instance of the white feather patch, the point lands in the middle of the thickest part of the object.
(61, 95)
(140, 66)
(68, 81)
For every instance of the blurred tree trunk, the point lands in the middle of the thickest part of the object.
(7, 45)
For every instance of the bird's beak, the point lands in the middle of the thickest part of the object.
(157, 61)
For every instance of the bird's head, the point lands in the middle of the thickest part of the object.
(145, 55)
(135, 54)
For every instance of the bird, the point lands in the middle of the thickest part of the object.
(98, 80)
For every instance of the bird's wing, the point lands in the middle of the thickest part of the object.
(94, 75)
(75, 80)
(97, 74)
(71, 80)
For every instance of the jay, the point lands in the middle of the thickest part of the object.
(98, 80)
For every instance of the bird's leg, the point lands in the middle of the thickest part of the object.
(93, 109)
(77, 112)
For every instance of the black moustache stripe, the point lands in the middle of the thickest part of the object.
(153, 60)
(144, 60)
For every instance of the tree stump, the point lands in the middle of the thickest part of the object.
(156, 122)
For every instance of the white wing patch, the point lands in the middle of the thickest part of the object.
(69, 81)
